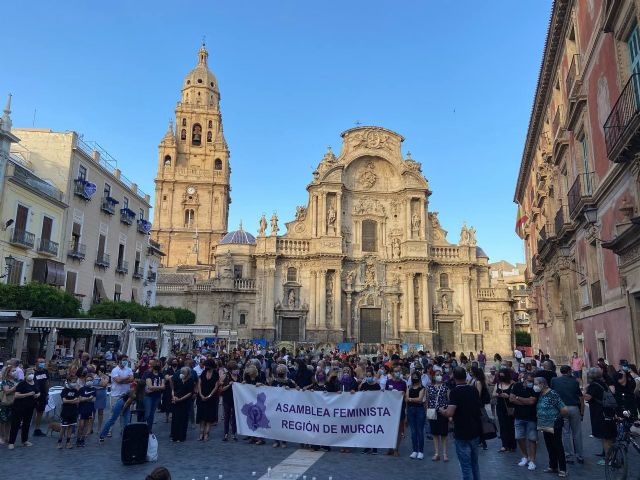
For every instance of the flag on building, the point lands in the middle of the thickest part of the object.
(521, 221)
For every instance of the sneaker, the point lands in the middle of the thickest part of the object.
(523, 462)
(283, 444)
(275, 444)
(562, 474)
(420, 456)
(11, 446)
(531, 466)
(601, 462)
(59, 445)
(413, 455)
(39, 433)
(366, 451)
(27, 444)
(69, 445)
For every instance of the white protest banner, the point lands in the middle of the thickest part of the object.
(362, 419)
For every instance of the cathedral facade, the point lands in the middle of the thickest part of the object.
(364, 261)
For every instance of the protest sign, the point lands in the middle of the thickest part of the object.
(362, 419)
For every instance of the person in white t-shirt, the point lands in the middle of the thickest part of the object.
(518, 355)
(121, 377)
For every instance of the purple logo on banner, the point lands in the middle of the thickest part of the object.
(256, 413)
(90, 189)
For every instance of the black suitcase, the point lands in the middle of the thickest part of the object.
(135, 439)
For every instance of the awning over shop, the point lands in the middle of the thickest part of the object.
(195, 330)
(80, 323)
(46, 270)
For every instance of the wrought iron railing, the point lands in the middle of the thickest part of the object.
(103, 260)
(48, 246)
(583, 187)
(137, 272)
(572, 73)
(22, 238)
(122, 267)
(77, 250)
(622, 114)
(127, 216)
(561, 218)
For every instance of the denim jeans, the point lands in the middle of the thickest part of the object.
(115, 413)
(416, 418)
(150, 407)
(467, 451)
(572, 433)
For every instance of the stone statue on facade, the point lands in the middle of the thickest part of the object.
(370, 275)
(263, 226)
(445, 302)
(415, 222)
(291, 300)
(331, 218)
(301, 213)
(472, 236)
(274, 224)
(395, 248)
(464, 235)
(349, 279)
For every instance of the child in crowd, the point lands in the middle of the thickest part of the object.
(69, 415)
(86, 408)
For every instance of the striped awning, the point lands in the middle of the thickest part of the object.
(83, 323)
(195, 330)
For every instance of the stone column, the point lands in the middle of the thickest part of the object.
(408, 219)
(313, 213)
(394, 319)
(337, 301)
(312, 299)
(349, 318)
(411, 314)
(423, 219)
(338, 214)
(322, 290)
(269, 292)
(466, 304)
(426, 305)
(323, 214)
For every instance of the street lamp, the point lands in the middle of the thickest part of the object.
(565, 252)
(9, 263)
(591, 215)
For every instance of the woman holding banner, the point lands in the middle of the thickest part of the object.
(281, 380)
(369, 384)
(397, 383)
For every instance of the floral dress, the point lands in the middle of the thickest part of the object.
(5, 410)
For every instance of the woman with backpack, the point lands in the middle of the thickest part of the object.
(478, 380)
(601, 409)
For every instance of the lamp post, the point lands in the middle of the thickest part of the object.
(9, 263)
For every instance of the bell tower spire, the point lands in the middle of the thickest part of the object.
(203, 55)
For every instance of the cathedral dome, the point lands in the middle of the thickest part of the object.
(238, 237)
(201, 76)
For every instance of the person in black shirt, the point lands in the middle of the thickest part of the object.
(181, 393)
(42, 382)
(86, 408)
(464, 408)
(281, 380)
(69, 414)
(369, 384)
(524, 398)
(225, 387)
(26, 396)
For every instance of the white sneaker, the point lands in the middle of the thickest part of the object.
(523, 462)
(420, 455)
(413, 455)
(532, 466)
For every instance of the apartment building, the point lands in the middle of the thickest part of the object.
(579, 183)
(105, 238)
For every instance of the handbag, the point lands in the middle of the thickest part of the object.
(489, 429)
(432, 413)
(6, 399)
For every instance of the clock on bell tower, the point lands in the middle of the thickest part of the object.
(192, 193)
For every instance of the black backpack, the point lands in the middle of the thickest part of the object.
(484, 395)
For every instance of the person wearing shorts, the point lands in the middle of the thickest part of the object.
(524, 400)
(86, 409)
(69, 414)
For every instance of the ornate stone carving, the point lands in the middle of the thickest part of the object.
(395, 248)
(411, 164)
(367, 179)
(472, 236)
(274, 224)
(370, 275)
(299, 228)
(369, 206)
(370, 138)
(415, 222)
(301, 213)
(291, 298)
(435, 222)
(263, 226)
(464, 235)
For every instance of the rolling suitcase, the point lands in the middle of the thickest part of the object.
(135, 439)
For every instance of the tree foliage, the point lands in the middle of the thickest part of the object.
(140, 314)
(41, 299)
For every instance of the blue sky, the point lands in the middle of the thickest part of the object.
(456, 79)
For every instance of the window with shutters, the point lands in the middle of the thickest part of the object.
(292, 274)
(444, 280)
(14, 276)
(47, 227)
(369, 238)
(70, 284)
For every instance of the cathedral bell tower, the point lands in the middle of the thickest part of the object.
(192, 185)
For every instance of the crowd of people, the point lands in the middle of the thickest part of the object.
(443, 393)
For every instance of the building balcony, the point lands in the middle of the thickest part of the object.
(77, 250)
(244, 284)
(108, 205)
(127, 216)
(48, 247)
(151, 277)
(581, 193)
(562, 221)
(83, 189)
(144, 226)
(622, 128)
(137, 273)
(556, 124)
(22, 238)
(572, 80)
(122, 267)
(103, 260)
(536, 265)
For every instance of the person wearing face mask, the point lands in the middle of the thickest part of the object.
(524, 399)
(437, 397)
(568, 387)
(207, 399)
(26, 396)
(505, 410)
(416, 415)
(69, 414)
(101, 380)
(86, 408)
(181, 393)
(225, 388)
(549, 411)
(168, 372)
(8, 382)
(154, 386)
(369, 384)
(281, 380)
(397, 383)
(42, 382)
(121, 378)
(347, 382)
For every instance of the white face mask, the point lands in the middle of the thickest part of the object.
(30, 377)
(438, 378)
(537, 388)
